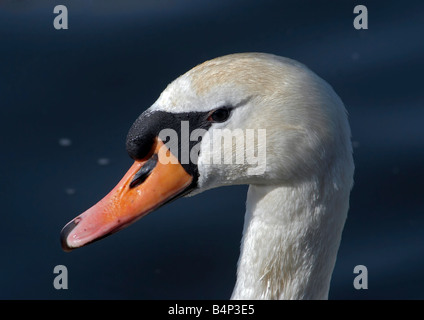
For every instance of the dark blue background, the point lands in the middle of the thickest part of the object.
(88, 84)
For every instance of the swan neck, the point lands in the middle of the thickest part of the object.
(290, 241)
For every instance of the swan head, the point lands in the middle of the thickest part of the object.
(249, 118)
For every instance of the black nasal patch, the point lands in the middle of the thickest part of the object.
(149, 124)
(143, 133)
(144, 171)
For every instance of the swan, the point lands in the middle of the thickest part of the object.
(300, 171)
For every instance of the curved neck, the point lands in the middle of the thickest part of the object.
(290, 240)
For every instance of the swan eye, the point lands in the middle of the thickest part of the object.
(220, 115)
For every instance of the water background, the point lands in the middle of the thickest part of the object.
(68, 98)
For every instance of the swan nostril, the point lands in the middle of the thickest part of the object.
(144, 171)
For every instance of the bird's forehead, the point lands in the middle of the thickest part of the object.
(184, 95)
(178, 96)
(211, 85)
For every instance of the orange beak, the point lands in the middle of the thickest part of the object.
(147, 185)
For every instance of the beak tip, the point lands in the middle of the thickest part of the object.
(67, 229)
